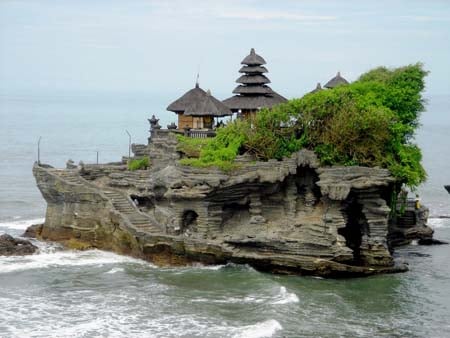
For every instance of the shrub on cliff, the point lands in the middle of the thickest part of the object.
(219, 151)
(370, 122)
(138, 164)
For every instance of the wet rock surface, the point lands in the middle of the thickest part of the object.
(10, 246)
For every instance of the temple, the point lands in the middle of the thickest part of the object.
(292, 215)
(253, 93)
(196, 109)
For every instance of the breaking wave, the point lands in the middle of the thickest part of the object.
(20, 224)
(285, 297)
(280, 298)
(260, 330)
(58, 258)
(439, 222)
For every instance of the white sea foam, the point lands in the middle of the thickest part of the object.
(285, 297)
(439, 222)
(282, 297)
(21, 224)
(63, 258)
(260, 330)
(114, 270)
(207, 267)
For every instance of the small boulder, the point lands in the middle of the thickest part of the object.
(10, 246)
(33, 231)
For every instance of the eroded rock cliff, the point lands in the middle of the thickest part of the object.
(289, 216)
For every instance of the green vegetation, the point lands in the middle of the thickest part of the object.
(138, 164)
(370, 122)
(219, 151)
(191, 147)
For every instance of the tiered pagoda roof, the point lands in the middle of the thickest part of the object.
(253, 93)
(197, 102)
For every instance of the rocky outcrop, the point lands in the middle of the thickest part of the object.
(10, 246)
(289, 216)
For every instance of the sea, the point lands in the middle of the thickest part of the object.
(60, 293)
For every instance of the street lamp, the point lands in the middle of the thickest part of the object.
(39, 150)
(129, 144)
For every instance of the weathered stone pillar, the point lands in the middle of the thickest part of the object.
(310, 199)
(290, 199)
(255, 209)
(214, 219)
(374, 249)
(334, 220)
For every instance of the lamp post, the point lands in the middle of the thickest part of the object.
(129, 144)
(39, 150)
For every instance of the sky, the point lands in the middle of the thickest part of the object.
(157, 47)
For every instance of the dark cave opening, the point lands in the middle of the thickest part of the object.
(354, 228)
(143, 203)
(235, 212)
(305, 180)
(189, 221)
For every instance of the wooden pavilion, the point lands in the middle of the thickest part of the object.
(196, 109)
(253, 93)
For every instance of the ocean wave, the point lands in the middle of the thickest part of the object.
(21, 224)
(260, 330)
(285, 297)
(439, 222)
(114, 270)
(63, 258)
(280, 298)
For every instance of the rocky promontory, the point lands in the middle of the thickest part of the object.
(289, 216)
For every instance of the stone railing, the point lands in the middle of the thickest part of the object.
(196, 133)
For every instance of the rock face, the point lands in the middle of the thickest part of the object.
(289, 216)
(10, 246)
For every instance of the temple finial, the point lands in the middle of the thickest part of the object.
(196, 80)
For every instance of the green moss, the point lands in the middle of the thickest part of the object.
(137, 164)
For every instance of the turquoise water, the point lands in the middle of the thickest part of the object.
(99, 294)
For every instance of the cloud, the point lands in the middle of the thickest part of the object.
(234, 10)
(424, 18)
(272, 15)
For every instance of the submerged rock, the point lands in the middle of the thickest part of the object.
(10, 246)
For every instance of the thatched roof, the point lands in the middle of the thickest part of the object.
(253, 79)
(252, 90)
(336, 81)
(253, 59)
(197, 102)
(317, 89)
(253, 69)
(238, 102)
(253, 94)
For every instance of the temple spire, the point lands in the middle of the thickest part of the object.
(253, 93)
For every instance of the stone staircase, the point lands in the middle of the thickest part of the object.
(126, 207)
(69, 175)
(119, 201)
